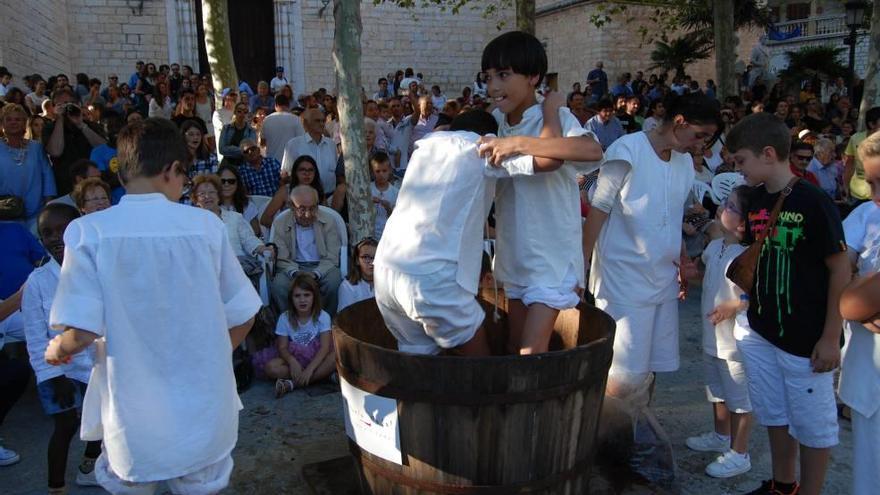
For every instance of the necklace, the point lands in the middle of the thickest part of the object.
(18, 154)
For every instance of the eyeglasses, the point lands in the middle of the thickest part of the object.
(229, 182)
(803, 158)
(304, 210)
(729, 206)
(206, 193)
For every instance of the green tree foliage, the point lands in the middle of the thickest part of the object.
(677, 54)
(812, 63)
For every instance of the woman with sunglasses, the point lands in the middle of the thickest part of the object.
(233, 133)
(358, 286)
(234, 197)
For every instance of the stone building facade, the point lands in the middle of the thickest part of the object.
(99, 37)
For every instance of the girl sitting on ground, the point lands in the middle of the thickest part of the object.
(303, 352)
(359, 284)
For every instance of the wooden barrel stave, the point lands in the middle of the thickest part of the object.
(500, 446)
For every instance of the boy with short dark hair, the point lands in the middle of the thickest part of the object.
(539, 255)
(161, 284)
(795, 342)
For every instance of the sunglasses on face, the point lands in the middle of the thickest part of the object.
(803, 158)
(229, 182)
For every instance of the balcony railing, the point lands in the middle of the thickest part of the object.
(811, 28)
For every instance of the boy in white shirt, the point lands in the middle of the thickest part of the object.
(160, 283)
(60, 388)
(383, 192)
(860, 371)
(538, 244)
(428, 264)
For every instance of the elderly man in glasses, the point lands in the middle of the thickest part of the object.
(307, 242)
(259, 173)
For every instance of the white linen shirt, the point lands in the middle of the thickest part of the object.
(36, 302)
(538, 233)
(634, 261)
(306, 244)
(718, 340)
(240, 234)
(278, 129)
(159, 281)
(324, 153)
(350, 294)
(859, 386)
(442, 205)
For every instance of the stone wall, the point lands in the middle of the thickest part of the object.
(35, 38)
(109, 36)
(444, 47)
(574, 44)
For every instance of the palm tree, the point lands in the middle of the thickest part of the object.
(678, 53)
(813, 63)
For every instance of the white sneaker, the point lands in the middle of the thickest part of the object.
(730, 464)
(708, 442)
(86, 479)
(8, 457)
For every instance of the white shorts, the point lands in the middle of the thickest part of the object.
(866, 453)
(205, 481)
(726, 382)
(784, 390)
(646, 339)
(427, 313)
(560, 297)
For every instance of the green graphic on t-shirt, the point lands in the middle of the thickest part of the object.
(776, 254)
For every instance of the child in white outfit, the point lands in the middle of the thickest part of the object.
(383, 192)
(723, 307)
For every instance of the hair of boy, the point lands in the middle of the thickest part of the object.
(604, 104)
(145, 148)
(306, 282)
(354, 269)
(518, 51)
(758, 131)
(382, 79)
(281, 100)
(696, 108)
(11, 108)
(476, 121)
(79, 191)
(799, 145)
(870, 147)
(60, 208)
(871, 117)
(379, 158)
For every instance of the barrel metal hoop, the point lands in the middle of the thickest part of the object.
(580, 468)
(464, 398)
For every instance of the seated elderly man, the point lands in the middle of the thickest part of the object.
(307, 242)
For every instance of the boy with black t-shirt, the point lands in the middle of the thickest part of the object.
(795, 342)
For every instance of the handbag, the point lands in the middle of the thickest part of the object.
(742, 269)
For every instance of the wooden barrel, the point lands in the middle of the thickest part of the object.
(494, 425)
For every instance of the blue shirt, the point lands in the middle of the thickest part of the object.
(19, 253)
(31, 180)
(606, 132)
(263, 182)
(829, 176)
(600, 88)
(621, 89)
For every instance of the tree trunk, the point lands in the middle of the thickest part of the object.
(215, 20)
(725, 48)
(525, 16)
(871, 93)
(347, 61)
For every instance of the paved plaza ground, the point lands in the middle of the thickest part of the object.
(278, 437)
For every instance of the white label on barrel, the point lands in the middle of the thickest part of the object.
(371, 421)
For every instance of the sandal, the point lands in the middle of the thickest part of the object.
(282, 387)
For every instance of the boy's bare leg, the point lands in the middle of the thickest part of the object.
(538, 328)
(740, 430)
(722, 418)
(783, 454)
(517, 313)
(478, 345)
(814, 465)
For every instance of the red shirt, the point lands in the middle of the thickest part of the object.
(804, 174)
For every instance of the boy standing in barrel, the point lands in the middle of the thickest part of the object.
(539, 255)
